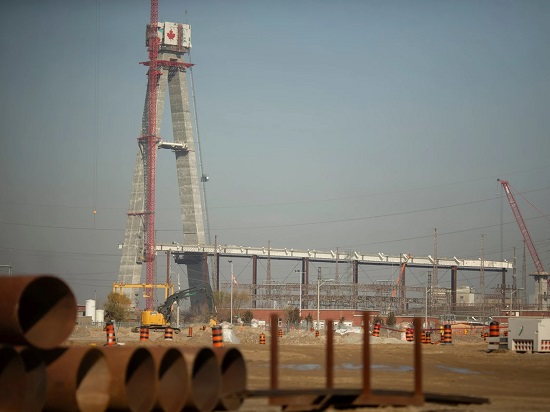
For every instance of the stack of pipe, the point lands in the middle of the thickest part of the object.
(38, 314)
(38, 373)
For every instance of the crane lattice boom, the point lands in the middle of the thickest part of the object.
(150, 141)
(522, 227)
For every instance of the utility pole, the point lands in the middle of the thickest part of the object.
(215, 272)
(435, 277)
(268, 269)
(178, 305)
(482, 280)
(426, 311)
(514, 277)
(337, 277)
(430, 290)
(524, 276)
(231, 281)
(320, 282)
(301, 281)
(513, 291)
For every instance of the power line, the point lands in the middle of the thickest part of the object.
(378, 194)
(359, 218)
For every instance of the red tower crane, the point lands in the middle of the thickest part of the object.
(150, 142)
(523, 227)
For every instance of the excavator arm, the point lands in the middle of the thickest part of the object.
(166, 308)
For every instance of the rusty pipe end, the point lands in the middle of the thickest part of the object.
(78, 379)
(40, 310)
(12, 380)
(233, 379)
(205, 378)
(36, 378)
(133, 376)
(173, 378)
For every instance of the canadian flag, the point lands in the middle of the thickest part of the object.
(233, 279)
(171, 34)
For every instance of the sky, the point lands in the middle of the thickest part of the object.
(357, 125)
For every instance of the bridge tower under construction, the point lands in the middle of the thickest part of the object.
(174, 45)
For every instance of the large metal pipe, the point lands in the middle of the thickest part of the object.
(204, 377)
(233, 378)
(12, 380)
(134, 381)
(37, 310)
(78, 379)
(172, 376)
(36, 379)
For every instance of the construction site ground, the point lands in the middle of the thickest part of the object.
(511, 381)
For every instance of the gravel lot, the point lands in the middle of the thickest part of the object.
(511, 381)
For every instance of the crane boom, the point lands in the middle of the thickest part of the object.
(522, 226)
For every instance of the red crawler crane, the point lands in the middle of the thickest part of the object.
(523, 228)
(150, 142)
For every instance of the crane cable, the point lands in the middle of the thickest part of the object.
(532, 205)
(96, 114)
(199, 154)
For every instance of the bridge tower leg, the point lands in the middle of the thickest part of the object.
(174, 79)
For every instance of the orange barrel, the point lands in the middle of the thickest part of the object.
(217, 337)
(168, 333)
(447, 334)
(190, 333)
(494, 329)
(409, 335)
(111, 338)
(376, 329)
(428, 337)
(316, 333)
(262, 338)
(423, 336)
(144, 333)
(280, 333)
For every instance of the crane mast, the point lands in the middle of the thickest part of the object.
(522, 227)
(150, 142)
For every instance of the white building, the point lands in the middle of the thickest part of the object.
(465, 295)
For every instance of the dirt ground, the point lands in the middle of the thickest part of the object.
(511, 381)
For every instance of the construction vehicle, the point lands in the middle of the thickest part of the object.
(162, 317)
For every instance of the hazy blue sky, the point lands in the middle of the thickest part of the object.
(359, 125)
